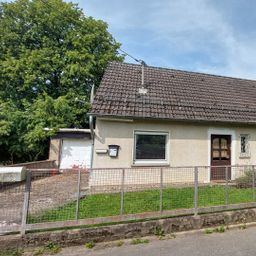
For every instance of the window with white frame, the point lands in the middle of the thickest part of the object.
(150, 147)
(244, 145)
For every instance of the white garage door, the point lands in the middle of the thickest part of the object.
(75, 153)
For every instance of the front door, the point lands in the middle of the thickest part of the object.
(220, 156)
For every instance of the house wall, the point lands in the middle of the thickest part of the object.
(54, 150)
(189, 143)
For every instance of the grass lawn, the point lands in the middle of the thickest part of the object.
(135, 202)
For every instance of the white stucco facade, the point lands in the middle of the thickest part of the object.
(189, 144)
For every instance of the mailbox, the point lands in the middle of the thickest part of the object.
(113, 150)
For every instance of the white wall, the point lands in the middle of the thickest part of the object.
(188, 143)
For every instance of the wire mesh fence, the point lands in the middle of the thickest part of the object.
(54, 195)
(11, 202)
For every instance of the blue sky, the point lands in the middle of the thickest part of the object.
(213, 36)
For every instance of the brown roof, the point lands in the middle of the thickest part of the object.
(174, 95)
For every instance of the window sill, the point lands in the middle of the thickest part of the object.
(245, 156)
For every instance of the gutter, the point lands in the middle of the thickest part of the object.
(91, 125)
(201, 121)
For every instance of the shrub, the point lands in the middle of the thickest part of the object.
(246, 181)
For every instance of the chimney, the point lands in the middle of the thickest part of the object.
(142, 89)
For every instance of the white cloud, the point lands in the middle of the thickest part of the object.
(197, 26)
(179, 28)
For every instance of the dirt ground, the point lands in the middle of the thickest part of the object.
(47, 191)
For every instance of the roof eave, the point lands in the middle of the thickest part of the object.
(174, 119)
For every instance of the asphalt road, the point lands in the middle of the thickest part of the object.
(230, 243)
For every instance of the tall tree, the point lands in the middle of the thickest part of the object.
(50, 54)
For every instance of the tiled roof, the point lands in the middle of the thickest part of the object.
(174, 95)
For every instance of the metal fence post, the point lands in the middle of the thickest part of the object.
(253, 182)
(122, 193)
(78, 193)
(196, 191)
(161, 190)
(226, 185)
(26, 203)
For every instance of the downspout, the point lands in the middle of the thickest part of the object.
(91, 125)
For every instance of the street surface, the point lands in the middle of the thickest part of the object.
(230, 243)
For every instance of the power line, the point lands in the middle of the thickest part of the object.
(127, 54)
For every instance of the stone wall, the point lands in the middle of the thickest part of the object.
(130, 230)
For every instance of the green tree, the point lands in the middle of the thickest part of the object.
(50, 54)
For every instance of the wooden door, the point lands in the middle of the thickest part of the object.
(220, 156)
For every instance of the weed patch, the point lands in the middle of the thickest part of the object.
(139, 241)
(11, 252)
(119, 243)
(220, 229)
(89, 245)
(158, 231)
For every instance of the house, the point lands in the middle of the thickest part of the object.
(71, 147)
(158, 117)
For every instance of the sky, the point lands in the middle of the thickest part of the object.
(210, 36)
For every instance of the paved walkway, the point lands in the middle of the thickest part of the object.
(230, 243)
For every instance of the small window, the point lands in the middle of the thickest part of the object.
(244, 145)
(220, 148)
(150, 147)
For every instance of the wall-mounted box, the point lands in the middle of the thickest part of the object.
(113, 150)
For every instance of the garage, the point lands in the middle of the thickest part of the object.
(71, 148)
(75, 153)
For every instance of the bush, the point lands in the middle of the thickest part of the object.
(246, 181)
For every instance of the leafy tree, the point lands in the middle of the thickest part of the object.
(50, 54)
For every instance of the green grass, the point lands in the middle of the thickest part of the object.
(101, 205)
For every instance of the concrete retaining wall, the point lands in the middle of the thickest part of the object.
(130, 230)
(45, 164)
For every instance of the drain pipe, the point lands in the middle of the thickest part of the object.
(91, 125)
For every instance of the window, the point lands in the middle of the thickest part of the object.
(244, 145)
(220, 147)
(150, 147)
